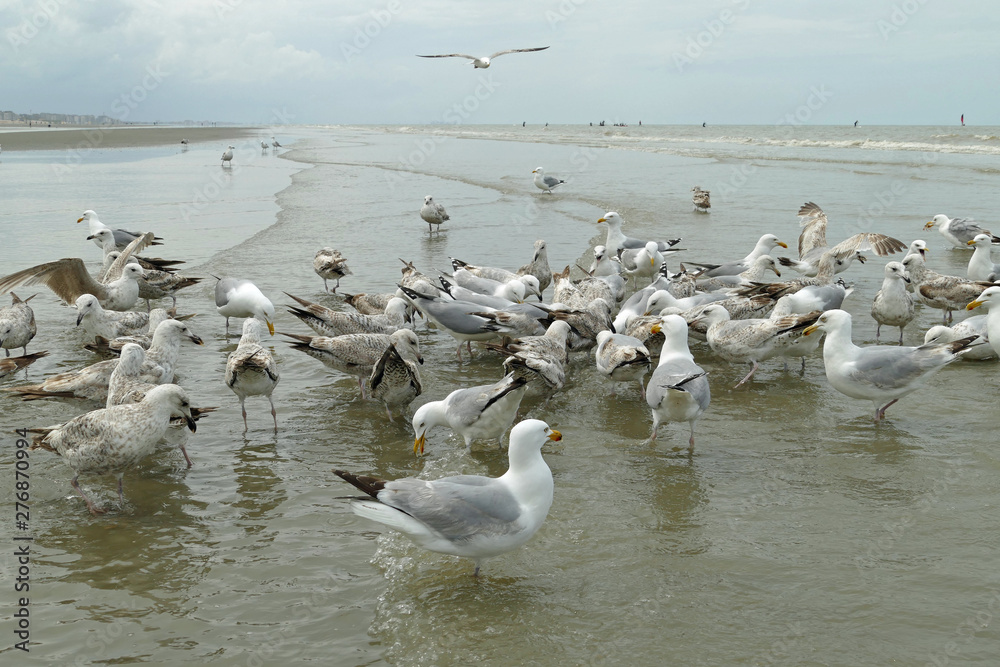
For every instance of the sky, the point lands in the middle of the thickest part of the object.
(883, 62)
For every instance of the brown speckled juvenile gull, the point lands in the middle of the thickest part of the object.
(251, 369)
(69, 279)
(356, 354)
(92, 381)
(622, 358)
(113, 440)
(395, 381)
(330, 265)
(328, 322)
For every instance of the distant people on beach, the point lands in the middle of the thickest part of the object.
(703, 125)
(855, 123)
(524, 123)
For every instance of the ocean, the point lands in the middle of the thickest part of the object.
(799, 533)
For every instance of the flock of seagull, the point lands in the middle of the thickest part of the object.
(633, 314)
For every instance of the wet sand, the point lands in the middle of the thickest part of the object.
(117, 137)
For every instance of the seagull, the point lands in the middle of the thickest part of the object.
(17, 324)
(991, 299)
(108, 324)
(329, 264)
(475, 413)
(69, 279)
(616, 239)
(678, 389)
(878, 373)
(812, 243)
(228, 156)
(395, 381)
(274, 143)
(468, 515)
(700, 199)
(622, 358)
(251, 369)
(113, 440)
(328, 322)
(484, 61)
(264, 146)
(959, 231)
(538, 267)
(893, 305)
(122, 237)
(543, 182)
(981, 266)
(433, 213)
(764, 245)
(235, 297)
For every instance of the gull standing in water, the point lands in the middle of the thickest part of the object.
(678, 389)
(227, 156)
(113, 440)
(468, 515)
(959, 231)
(482, 62)
(235, 297)
(981, 266)
(475, 413)
(893, 305)
(701, 199)
(251, 369)
(329, 264)
(433, 213)
(543, 182)
(122, 237)
(17, 324)
(881, 374)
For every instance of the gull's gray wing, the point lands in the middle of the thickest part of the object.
(460, 507)
(469, 404)
(889, 367)
(223, 288)
(682, 375)
(882, 245)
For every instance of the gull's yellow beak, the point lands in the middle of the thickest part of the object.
(973, 305)
(929, 225)
(555, 435)
(418, 443)
(602, 220)
(534, 171)
(79, 219)
(972, 242)
(783, 245)
(656, 328)
(652, 261)
(809, 330)
(270, 327)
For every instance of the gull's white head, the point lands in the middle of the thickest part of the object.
(983, 240)
(989, 298)
(88, 215)
(133, 271)
(428, 199)
(85, 305)
(829, 321)
(939, 219)
(612, 218)
(529, 436)
(539, 171)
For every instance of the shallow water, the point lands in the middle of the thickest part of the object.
(799, 532)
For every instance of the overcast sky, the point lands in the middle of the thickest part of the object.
(661, 61)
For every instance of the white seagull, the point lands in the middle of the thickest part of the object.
(543, 182)
(235, 297)
(228, 156)
(433, 213)
(482, 62)
(468, 515)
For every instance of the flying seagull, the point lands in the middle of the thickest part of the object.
(484, 62)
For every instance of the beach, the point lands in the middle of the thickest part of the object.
(42, 138)
(798, 533)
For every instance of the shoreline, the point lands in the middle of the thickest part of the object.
(117, 137)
